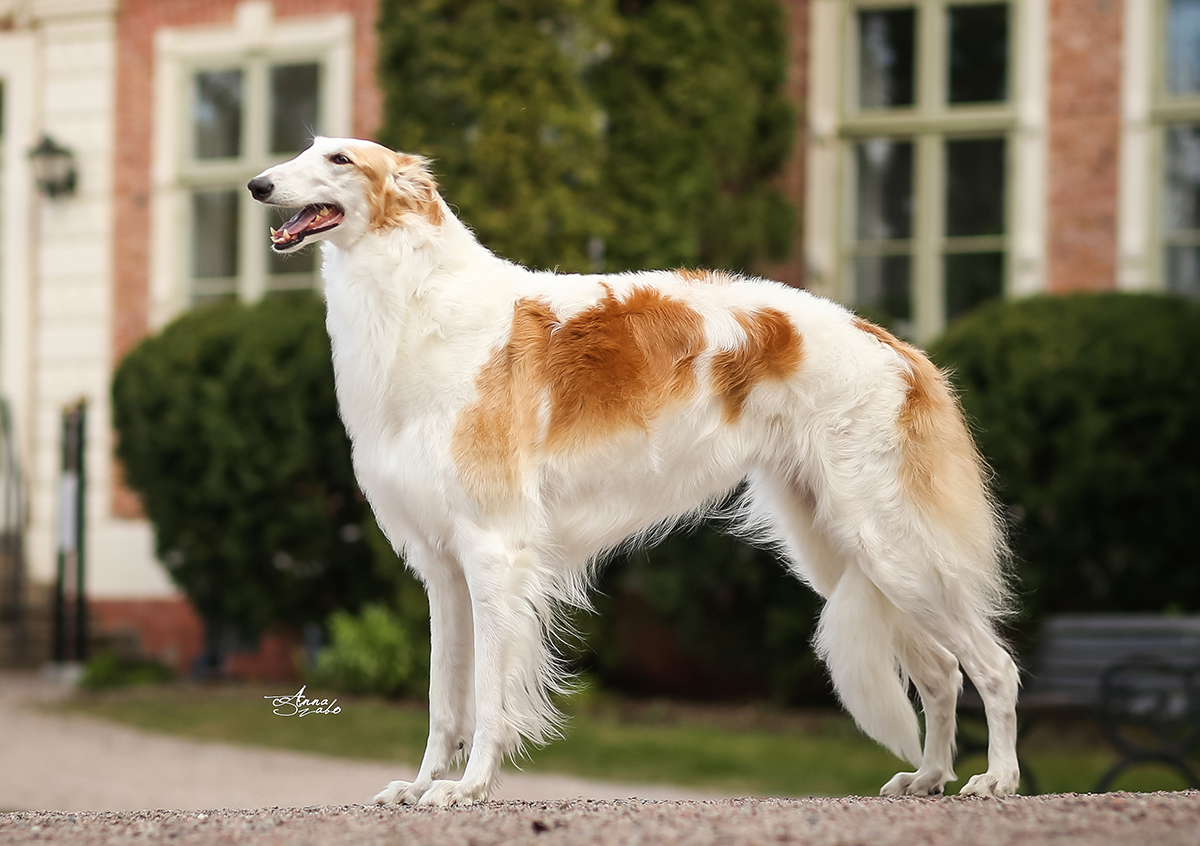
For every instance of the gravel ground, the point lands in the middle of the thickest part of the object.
(90, 779)
(1162, 819)
(55, 762)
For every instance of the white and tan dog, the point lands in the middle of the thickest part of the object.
(510, 426)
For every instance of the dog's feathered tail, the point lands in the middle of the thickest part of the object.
(857, 639)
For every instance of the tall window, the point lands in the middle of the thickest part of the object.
(1179, 107)
(242, 117)
(926, 125)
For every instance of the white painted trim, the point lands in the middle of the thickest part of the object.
(1029, 188)
(19, 71)
(827, 192)
(822, 194)
(254, 32)
(1135, 223)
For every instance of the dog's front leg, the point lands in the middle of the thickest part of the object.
(512, 666)
(451, 694)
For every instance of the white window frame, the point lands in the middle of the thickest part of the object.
(254, 42)
(1146, 112)
(835, 123)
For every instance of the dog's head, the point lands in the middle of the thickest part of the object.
(345, 188)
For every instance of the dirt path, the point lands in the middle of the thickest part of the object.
(1162, 819)
(70, 763)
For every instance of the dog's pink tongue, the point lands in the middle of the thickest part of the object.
(301, 221)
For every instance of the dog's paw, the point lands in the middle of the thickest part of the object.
(402, 793)
(444, 794)
(920, 783)
(991, 784)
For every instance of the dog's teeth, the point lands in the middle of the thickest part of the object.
(274, 231)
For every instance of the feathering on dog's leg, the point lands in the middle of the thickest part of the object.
(451, 677)
(512, 669)
(856, 639)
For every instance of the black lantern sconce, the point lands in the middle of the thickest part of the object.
(53, 168)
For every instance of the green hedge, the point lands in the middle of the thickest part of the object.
(1088, 409)
(228, 429)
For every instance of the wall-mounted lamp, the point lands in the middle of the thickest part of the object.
(53, 168)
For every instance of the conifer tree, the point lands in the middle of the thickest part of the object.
(585, 136)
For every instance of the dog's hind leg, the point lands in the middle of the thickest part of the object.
(934, 672)
(451, 695)
(995, 676)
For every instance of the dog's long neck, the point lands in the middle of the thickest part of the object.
(409, 311)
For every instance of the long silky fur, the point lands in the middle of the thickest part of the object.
(512, 429)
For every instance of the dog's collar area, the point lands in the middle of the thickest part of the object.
(319, 217)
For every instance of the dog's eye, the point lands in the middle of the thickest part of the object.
(339, 159)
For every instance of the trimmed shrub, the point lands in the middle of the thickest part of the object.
(1088, 409)
(228, 429)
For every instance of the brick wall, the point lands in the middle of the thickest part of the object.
(138, 20)
(1084, 145)
(170, 631)
(791, 270)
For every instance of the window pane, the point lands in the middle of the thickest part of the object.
(975, 187)
(294, 106)
(1183, 270)
(218, 114)
(1183, 47)
(1181, 195)
(972, 279)
(886, 51)
(884, 168)
(882, 289)
(215, 234)
(978, 50)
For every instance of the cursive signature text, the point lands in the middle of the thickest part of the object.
(298, 705)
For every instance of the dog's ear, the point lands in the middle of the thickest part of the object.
(401, 188)
(415, 183)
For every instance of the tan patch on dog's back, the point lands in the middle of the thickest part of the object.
(773, 349)
(400, 185)
(615, 366)
(941, 465)
(688, 274)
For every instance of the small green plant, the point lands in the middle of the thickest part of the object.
(109, 670)
(373, 652)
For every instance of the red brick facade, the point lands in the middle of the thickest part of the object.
(791, 271)
(170, 631)
(1084, 144)
(137, 22)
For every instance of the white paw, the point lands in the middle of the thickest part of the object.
(402, 793)
(443, 794)
(991, 784)
(920, 783)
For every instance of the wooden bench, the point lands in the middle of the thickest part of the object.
(1138, 675)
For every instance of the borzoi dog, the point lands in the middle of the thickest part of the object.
(510, 426)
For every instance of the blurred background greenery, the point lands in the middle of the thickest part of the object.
(648, 135)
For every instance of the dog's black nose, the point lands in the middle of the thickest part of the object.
(260, 187)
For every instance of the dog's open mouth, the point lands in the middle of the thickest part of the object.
(320, 217)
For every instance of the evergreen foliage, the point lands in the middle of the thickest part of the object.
(562, 130)
(1088, 409)
(228, 429)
